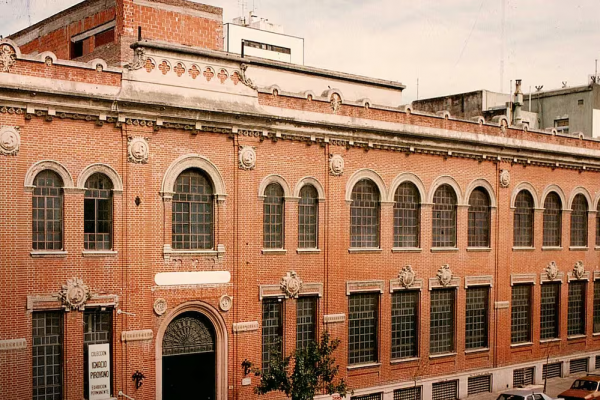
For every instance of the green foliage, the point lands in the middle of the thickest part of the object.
(314, 371)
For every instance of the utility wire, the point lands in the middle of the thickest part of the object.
(469, 36)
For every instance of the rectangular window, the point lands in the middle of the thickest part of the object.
(579, 365)
(553, 370)
(523, 377)
(521, 314)
(596, 306)
(97, 329)
(444, 390)
(476, 327)
(479, 384)
(562, 125)
(411, 393)
(550, 311)
(269, 47)
(576, 312)
(272, 329)
(405, 309)
(306, 318)
(441, 338)
(362, 328)
(47, 360)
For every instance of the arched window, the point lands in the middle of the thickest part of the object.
(479, 218)
(273, 217)
(97, 213)
(47, 210)
(552, 220)
(523, 222)
(407, 215)
(308, 217)
(579, 221)
(444, 217)
(193, 211)
(364, 215)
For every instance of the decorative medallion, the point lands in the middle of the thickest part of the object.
(138, 150)
(336, 102)
(160, 306)
(291, 284)
(8, 57)
(551, 270)
(48, 61)
(579, 270)
(336, 164)
(406, 276)
(225, 302)
(243, 78)
(444, 275)
(10, 140)
(247, 157)
(139, 61)
(504, 178)
(74, 294)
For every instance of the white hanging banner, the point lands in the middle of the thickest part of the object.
(99, 371)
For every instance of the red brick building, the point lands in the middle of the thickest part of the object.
(185, 208)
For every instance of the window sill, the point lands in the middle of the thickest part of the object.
(169, 252)
(48, 254)
(308, 251)
(364, 250)
(99, 253)
(550, 340)
(524, 344)
(483, 249)
(552, 248)
(273, 252)
(578, 248)
(597, 248)
(406, 249)
(444, 249)
(367, 365)
(442, 355)
(404, 360)
(520, 248)
(575, 337)
(596, 334)
(480, 350)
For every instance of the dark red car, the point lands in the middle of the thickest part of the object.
(583, 388)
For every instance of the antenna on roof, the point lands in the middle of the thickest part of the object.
(28, 10)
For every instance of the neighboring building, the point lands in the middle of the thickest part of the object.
(260, 38)
(174, 217)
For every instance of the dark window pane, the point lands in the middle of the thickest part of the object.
(362, 328)
(521, 314)
(550, 310)
(477, 318)
(576, 312)
(272, 329)
(523, 222)
(97, 213)
(97, 329)
(47, 355)
(308, 217)
(597, 307)
(405, 306)
(407, 216)
(552, 220)
(47, 219)
(444, 217)
(479, 218)
(441, 337)
(306, 319)
(579, 221)
(364, 215)
(273, 217)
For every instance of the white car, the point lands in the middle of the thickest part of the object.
(524, 394)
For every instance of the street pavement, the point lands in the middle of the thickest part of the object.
(553, 388)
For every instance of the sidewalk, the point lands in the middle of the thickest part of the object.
(554, 387)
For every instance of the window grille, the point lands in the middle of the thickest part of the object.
(550, 310)
(308, 216)
(553, 370)
(442, 321)
(552, 220)
(411, 393)
(596, 306)
(521, 314)
(47, 341)
(597, 366)
(362, 328)
(364, 215)
(273, 217)
(523, 377)
(579, 365)
(306, 317)
(477, 318)
(579, 221)
(444, 217)
(405, 308)
(598, 225)
(97, 329)
(576, 312)
(97, 213)
(479, 218)
(47, 210)
(272, 329)
(372, 396)
(479, 384)
(192, 217)
(444, 390)
(523, 223)
(407, 216)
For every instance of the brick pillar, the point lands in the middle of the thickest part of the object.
(73, 355)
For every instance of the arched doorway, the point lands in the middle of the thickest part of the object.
(189, 358)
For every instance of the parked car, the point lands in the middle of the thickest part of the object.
(524, 394)
(583, 388)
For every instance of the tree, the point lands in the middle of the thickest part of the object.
(314, 370)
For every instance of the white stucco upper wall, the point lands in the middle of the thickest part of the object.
(234, 34)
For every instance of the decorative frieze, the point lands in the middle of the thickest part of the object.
(551, 273)
(444, 278)
(135, 336)
(481, 280)
(307, 289)
(522, 278)
(406, 280)
(364, 286)
(291, 284)
(10, 140)
(334, 318)
(500, 305)
(13, 344)
(245, 326)
(579, 273)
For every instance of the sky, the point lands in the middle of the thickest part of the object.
(447, 46)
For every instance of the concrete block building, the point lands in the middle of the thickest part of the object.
(169, 211)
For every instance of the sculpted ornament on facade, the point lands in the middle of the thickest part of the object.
(444, 275)
(336, 102)
(138, 150)
(504, 178)
(291, 284)
(10, 140)
(406, 276)
(247, 157)
(8, 57)
(551, 270)
(244, 79)
(225, 303)
(74, 294)
(336, 164)
(579, 270)
(160, 306)
(139, 61)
